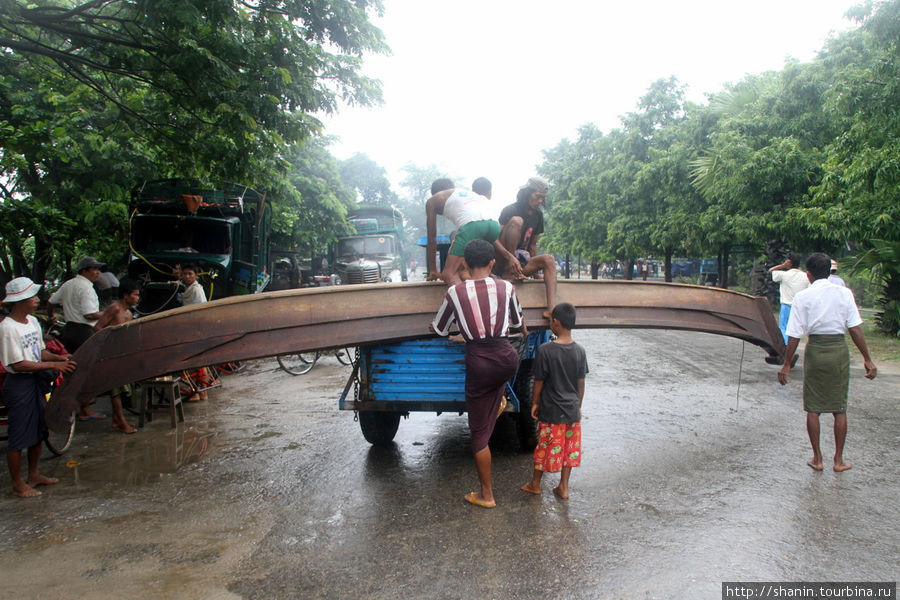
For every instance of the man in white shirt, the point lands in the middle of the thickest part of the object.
(80, 304)
(824, 312)
(791, 280)
(81, 309)
(30, 367)
(834, 277)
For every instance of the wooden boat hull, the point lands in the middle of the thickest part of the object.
(289, 321)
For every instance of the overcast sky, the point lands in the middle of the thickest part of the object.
(481, 87)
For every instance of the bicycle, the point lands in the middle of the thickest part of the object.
(301, 362)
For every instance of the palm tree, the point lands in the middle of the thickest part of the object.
(882, 261)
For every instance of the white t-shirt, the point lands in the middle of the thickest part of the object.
(78, 298)
(20, 341)
(823, 309)
(792, 281)
(464, 206)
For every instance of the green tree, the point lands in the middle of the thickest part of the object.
(311, 208)
(98, 95)
(763, 156)
(369, 179)
(858, 199)
(417, 187)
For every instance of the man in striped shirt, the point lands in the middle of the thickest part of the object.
(484, 308)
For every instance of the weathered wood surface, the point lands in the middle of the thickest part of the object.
(246, 327)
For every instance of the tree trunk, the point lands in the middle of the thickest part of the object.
(726, 252)
(668, 264)
(595, 270)
(42, 257)
(722, 266)
(629, 269)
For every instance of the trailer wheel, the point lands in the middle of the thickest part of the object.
(526, 427)
(379, 428)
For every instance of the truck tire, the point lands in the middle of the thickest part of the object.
(379, 428)
(526, 427)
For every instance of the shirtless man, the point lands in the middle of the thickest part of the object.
(115, 314)
(468, 211)
(521, 224)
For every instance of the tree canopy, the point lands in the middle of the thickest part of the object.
(804, 158)
(96, 96)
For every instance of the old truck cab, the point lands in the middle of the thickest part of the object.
(223, 231)
(375, 253)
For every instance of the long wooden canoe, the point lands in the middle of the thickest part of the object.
(246, 327)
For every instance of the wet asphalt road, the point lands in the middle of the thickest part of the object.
(268, 491)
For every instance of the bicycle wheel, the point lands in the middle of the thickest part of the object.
(59, 442)
(345, 356)
(297, 364)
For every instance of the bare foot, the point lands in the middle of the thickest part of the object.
(815, 466)
(126, 428)
(25, 491)
(842, 467)
(564, 494)
(527, 488)
(41, 480)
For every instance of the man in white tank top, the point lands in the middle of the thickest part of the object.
(469, 213)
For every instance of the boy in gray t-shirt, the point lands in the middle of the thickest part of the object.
(559, 371)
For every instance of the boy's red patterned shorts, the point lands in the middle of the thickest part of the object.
(559, 445)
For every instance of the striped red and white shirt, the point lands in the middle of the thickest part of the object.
(484, 308)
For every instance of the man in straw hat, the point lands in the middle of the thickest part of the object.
(30, 368)
(825, 311)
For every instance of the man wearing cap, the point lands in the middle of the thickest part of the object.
(834, 277)
(30, 369)
(81, 308)
(521, 224)
(80, 304)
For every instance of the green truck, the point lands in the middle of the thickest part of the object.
(223, 230)
(375, 253)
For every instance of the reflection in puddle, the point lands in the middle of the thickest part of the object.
(143, 458)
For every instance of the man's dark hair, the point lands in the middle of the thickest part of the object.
(819, 264)
(796, 259)
(524, 195)
(479, 253)
(564, 312)
(186, 267)
(482, 186)
(441, 184)
(126, 286)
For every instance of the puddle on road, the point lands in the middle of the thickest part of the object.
(136, 459)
